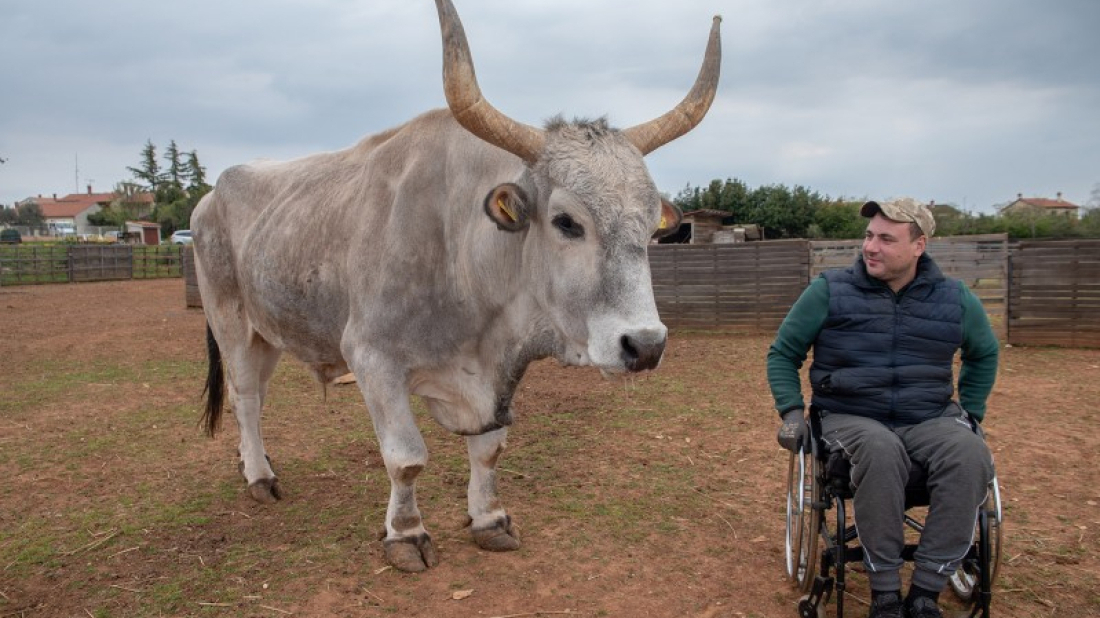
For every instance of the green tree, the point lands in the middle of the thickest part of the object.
(838, 219)
(176, 189)
(782, 212)
(176, 167)
(687, 199)
(1090, 222)
(128, 205)
(196, 173)
(29, 214)
(733, 197)
(149, 170)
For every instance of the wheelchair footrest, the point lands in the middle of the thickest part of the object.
(820, 591)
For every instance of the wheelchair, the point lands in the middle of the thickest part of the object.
(819, 548)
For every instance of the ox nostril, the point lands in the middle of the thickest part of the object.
(641, 352)
(630, 353)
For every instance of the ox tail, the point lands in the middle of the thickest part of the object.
(214, 392)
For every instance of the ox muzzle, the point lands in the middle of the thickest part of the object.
(642, 350)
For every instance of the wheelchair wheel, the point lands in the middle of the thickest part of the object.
(803, 522)
(966, 581)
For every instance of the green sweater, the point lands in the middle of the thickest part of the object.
(800, 328)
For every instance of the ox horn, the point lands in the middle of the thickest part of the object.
(464, 96)
(651, 135)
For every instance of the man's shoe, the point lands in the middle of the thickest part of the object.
(923, 607)
(886, 605)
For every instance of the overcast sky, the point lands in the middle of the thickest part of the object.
(959, 101)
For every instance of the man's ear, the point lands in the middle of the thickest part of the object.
(507, 205)
(671, 216)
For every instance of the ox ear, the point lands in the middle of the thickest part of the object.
(671, 216)
(507, 206)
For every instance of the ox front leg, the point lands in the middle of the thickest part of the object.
(490, 524)
(407, 544)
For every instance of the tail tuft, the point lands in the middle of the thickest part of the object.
(214, 392)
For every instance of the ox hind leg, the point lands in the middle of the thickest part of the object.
(491, 526)
(250, 372)
(250, 361)
(407, 543)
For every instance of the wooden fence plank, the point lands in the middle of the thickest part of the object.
(1054, 293)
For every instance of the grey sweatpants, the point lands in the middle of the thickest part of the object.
(959, 468)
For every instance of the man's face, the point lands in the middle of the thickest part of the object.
(890, 252)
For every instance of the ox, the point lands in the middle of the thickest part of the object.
(443, 256)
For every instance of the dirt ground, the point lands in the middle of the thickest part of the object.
(659, 496)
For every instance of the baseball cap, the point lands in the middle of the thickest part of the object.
(903, 210)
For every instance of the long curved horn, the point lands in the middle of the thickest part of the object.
(650, 136)
(464, 96)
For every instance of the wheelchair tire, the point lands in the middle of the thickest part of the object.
(965, 582)
(803, 521)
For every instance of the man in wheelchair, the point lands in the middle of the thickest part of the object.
(884, 334)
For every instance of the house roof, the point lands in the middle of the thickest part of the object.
(75, 203)
(71, 205)
(1043, 202)
(707, 212)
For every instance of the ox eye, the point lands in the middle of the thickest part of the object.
(568, 227)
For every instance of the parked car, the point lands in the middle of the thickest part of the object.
(180, 237)
(10, 236)
(63, 230)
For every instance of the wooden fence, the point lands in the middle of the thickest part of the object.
(191, 296)
(753, 285)
(1054, 293)
(742, 285)
(1047, 291)
(32, 263)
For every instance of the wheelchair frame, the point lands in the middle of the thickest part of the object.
(813, 546)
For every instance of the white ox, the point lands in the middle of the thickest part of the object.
(437, 259)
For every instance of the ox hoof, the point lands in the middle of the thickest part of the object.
(411, 554)
(265, 491)
(500, 536)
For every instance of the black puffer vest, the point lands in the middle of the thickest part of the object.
(886, 356)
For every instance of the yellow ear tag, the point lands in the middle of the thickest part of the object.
(503, 206)
(664, 222)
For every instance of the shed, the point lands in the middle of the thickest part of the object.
(738, 232)
(148, 231)
(698, 226)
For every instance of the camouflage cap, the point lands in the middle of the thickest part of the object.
(903, 210)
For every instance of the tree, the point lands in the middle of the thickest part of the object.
(176, 190)
(149, 172)
(128, 205)
(687, 199)
(29, 214)
(175, 173)
(196, 173)
(838, 219)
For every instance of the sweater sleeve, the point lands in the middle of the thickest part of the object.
(980, 351)
(792, 343)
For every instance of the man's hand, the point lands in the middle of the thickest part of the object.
(792, 434)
